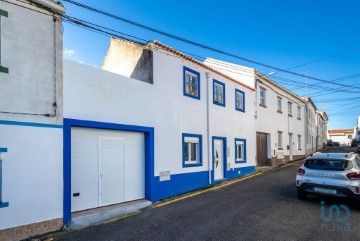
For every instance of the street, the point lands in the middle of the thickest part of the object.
(263, 207)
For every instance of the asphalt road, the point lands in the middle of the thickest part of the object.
(264, 207)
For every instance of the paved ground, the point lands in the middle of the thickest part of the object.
(264, 207)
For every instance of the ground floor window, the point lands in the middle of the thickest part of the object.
(299, 142)
(240, 150)
(280, 144)
(192, 150)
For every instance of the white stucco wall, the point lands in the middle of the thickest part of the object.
(93, 94)
(31, 48)
(270, 121)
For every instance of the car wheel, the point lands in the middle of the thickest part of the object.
(301, 195)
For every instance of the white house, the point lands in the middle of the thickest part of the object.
(279, 115)
(343, 136)
(161, 124)
(30, 118)
(323, 133)
(357, 129)
(311, 130)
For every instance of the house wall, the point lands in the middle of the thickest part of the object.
(111, 98)
(270, 121)
(343, 139)
(30, 122)
(311, 128)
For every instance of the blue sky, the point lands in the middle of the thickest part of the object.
(279, 33)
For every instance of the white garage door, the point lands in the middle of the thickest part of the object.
(107, 167)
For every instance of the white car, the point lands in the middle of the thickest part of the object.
(334, 174)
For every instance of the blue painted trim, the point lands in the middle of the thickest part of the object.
(243, 95)
(183, 148)
(4, 204)
(213, 159)
(224, 96)
(243, 140)
(149, 157)
(184, 83)
(33, 124)
(3, 150)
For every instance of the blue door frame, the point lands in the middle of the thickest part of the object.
(224, 157)
(149, 156)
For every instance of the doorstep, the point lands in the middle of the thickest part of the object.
(83, 219)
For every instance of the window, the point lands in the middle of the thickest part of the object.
(299, 112)
(290, 109)
(192, 150)
(240, 150)
(280, 144)
(299, 142)
(262, 97)
(279, 100)
(349, 136)
(2, 204)
(219, 93)
(191, 83)
(239, 100)
(2, 68)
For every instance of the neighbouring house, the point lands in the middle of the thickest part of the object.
(343, 136)
(31, 163)
(311, 123)
(279, 115)
(322, 120)
(153, 123)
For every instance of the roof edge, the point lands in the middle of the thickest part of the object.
(56, 7)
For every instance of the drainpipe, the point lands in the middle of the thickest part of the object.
(207, 74)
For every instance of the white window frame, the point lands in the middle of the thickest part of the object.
(279, 104)
(262, 96)
(191, 141)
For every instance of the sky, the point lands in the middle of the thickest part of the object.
(283, 34)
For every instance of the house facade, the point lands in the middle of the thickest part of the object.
(279, 115)
(343, 136)
(311, 126)
(357, 129)
(30, 118)
(173, 124)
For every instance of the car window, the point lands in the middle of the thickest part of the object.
(328, 164)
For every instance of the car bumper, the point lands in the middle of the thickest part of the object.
(340, 191)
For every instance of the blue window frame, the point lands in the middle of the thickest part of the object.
(239, 100)
(240, 150)
(218, 93)
(191, 150)
(191, 83)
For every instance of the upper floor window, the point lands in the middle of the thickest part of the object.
(279, 104)
(219, 93)
(239, 100)
(2, 68)
(240, 150)
(299, 112)
(192, 150)
(289, 108)
(262, 97)
(191, 83)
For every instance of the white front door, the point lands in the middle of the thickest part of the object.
(218, 159)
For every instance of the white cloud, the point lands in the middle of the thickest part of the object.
(69, 53)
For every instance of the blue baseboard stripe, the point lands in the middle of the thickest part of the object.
(32, 124)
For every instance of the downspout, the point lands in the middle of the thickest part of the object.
(208, 125)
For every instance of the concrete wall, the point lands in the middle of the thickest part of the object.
(30, 118)
(93, 94)
(270, 121)
(311, 128)
(342, 138)
(129, 59)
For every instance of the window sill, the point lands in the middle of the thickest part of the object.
(192, 164)
(299, 118)
(219, 104)
(262, 105)
(4, 70)
(290, 115)
(4, 205)
(279, 111)
(241, 110)
(280, 148)
(240, 161)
